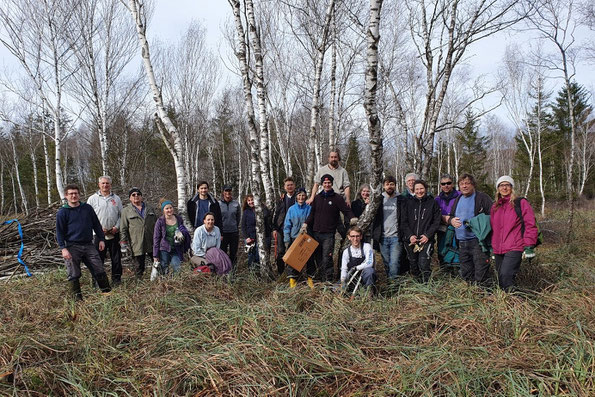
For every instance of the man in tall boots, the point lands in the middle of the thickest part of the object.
(75, 224)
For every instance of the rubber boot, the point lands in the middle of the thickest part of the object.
(292, 283)
(310, 283)
(75, 288)
(103, 282)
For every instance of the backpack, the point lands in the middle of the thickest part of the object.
(517, 209)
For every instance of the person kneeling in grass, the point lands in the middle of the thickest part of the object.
(358, 257)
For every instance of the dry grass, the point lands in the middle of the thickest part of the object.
(197, 335)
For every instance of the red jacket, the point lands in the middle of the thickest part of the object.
(506, 227)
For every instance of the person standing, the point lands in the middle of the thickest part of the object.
(171, 239)
(136, 229)
(249, 229)
(410, 178)
(341, 184)
(230, 215)
(296, 216)
(201, 203)
(108, 208)
(513, 236)
(386, 228)
(475, 263)
(279, 216)
(445, 201)
(75, 224)
(421, 218)
(323, 220)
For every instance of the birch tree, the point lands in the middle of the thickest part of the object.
(169, 133)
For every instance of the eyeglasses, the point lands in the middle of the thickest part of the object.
(355, 236)
(136, 194)
(446, 183)
(505, 185)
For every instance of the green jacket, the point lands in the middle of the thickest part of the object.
(481, 227)
(136, 231)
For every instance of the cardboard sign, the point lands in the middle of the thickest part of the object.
(300, 251)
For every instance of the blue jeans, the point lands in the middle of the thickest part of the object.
(391, 250)
(168, 258)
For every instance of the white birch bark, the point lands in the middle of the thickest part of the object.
(46, 158)
(32, 148)
(168, 130)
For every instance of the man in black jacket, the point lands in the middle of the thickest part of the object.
(323, 220)
(202, 203)
(475, 264)
(281, 208)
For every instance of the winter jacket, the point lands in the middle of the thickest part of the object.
(75, 225)
(249, 223)
(136, 230)
(108, 209)
(280, 212)
(378, 228)
(231, 213)
(160, 242)
(420, 217)
(191, 208)
(358, 207)
(295, 218)
(204, 240)
(506, 227)
(447, 201)
(324, 215)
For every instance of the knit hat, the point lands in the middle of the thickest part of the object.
(325, 177)
(301, 190)
(134, 190)
(504, 178)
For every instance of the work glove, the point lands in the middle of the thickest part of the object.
(529, 253)
(124, 247)
(353, 221)
(178, 237)
(304, 229)
(155, 270)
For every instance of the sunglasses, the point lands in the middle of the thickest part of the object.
(136, 194)
(445, 183)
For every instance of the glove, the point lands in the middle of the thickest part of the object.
(178, 237)
(155, 270)
(529, 253)
(123, 247)
(353, 221)
(303, 229)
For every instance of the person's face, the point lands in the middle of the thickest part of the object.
(105, 186)
(136, 198)
(355, 238)
(209, 222)
(365, 193)
(289, 187)
(327, 185)
(227, 195)
(250, 202)
(203, 190)
(466, 187)
(505, 189)
(333, 159)
(409, 182)
(419, 190)
(168, 210)
(301, 198)
(73, 196)
(446, 185)
(389, 188)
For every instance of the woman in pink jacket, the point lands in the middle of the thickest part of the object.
(511, 236)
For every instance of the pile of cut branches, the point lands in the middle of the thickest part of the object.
(39, 242)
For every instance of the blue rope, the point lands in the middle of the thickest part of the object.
(20, 255)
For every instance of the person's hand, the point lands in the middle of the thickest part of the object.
(456, 222)
(367, 200)
(529, 253)
(353, 221)
(66, 254)
(424, 239)
(123, 247)
(304, 228)
(309, 201)
(275, 234)
(413, 240)
(101, 245)
(348, 202)
(114, 230)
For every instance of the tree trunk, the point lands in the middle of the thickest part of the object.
(46, 157)
(32, 148)
(25, 204)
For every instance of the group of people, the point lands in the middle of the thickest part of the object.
(405, 229)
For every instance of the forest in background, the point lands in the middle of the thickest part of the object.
(80, 106)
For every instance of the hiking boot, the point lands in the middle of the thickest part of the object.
(103, 282)
(75, 288)
(116, 282)
(292, 283)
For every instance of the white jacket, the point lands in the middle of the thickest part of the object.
(108, 210)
